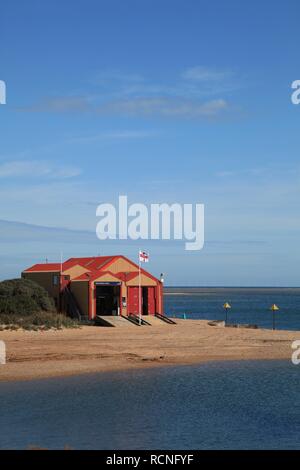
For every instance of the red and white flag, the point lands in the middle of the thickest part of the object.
(143, 257)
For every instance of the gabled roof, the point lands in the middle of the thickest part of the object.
(99, 262)
(131, 275)
(95, 275)
(95, 265)
(143, 271)
(91, 263)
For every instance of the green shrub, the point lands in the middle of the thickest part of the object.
(25, 304)
(22, 296)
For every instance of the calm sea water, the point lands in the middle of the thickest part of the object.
(232, 405)
(249, 305)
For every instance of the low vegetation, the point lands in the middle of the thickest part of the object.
(25, 304)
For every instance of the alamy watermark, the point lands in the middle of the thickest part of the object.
(296, 353)
(296, 94)
(2, 353)
(2, 92)
(155, 222)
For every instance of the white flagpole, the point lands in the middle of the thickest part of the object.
(60, 281)
(140, 293)
(61, 262)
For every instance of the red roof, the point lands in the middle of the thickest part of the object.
(90, 263)
(95, 275)
(96, 265)
(44, 267)
(129, 276)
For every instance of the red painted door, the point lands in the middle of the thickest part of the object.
(151, 301)
(133, 300)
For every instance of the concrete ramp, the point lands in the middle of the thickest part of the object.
(112, 321)
(154, 321)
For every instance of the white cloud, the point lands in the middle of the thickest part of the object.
(60, 104)
(35, 168)
(113, 135)
(117, 76)
(185, 96)
(165, 107)
(243, 172)
(204, 74)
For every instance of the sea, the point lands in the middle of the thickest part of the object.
(248, 305)
(228, 405)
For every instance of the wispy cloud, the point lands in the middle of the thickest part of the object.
(35, 168)
(107, 76)
(15, 230)
(170, 107)
(60, 104)
(206, 74)
(113, 135)
(165, 107)
(242, 172)
(197, 92)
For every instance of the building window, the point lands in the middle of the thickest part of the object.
(55, 280)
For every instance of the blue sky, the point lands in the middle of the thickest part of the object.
(164, 101)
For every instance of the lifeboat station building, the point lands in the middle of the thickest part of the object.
(99, 286)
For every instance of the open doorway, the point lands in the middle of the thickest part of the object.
(149, 301)
(107, 299)
(145, 301)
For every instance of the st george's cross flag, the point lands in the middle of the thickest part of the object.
(143, 257)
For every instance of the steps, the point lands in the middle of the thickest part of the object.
(71, 305)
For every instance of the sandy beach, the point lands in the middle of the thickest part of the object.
(32, 355)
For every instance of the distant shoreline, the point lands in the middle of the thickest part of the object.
(214, 290)
(35, 355)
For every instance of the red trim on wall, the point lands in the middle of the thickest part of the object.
(91, 301)
(120, 298)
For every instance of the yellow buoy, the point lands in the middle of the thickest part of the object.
(274, 309)
(227, 306)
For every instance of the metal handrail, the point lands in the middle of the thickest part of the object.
(165, 318)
